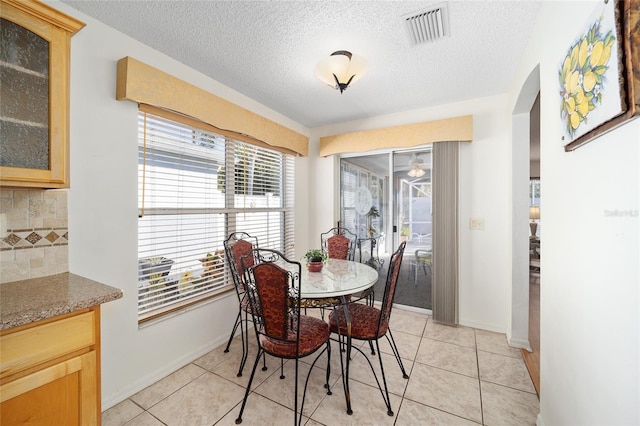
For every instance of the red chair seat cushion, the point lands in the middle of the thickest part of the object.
(314, 333)
(364, 321)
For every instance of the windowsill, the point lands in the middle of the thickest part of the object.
(182, 307)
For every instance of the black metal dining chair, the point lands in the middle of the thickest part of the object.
(282, 331)
(237, 245)
(370, 324)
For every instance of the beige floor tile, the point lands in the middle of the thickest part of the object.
(145, 419)
(322, 361)
(412, 413)
(202, 402)
(259, 411)
(121, 413)
(407, 344)
(446, 391)
(496, 343)
(504, 370)
(153, 394)
(505, 406)
(360, 370)
(462, 336)
(282, 390)
(445, 367)
(404, 322)
(229, 368)
(366, 403)
(450, 357)
(211, 359)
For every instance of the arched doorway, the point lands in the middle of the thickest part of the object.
(522, 125)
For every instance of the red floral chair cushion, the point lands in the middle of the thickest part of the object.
(364, 322)
(338, 247)
(280, 323)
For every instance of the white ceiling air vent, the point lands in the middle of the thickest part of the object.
(427, 26)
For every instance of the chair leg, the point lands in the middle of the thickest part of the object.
(245, 344)
(246, 394)
(328, 367)
(233, 331)
(384, 392)
(306, 383)
(394, 348)
(385, 395)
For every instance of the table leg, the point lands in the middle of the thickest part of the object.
(345, 371)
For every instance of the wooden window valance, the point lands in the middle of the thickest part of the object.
(446, 130)
(145, 84)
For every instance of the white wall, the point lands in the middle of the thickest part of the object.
(103, 213)
(589, 302)
(484, 282)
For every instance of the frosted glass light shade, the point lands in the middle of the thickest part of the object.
(341, 69)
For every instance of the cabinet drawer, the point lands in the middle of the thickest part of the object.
(42, 343)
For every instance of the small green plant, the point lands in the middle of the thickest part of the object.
(315, 255)
(373, 212)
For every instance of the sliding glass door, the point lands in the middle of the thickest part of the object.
(386, 199)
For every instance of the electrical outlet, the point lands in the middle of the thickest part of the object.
(476, 223)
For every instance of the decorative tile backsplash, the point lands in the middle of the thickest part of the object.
(36, 238)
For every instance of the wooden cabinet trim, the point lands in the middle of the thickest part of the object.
(39, 378)
(36, 345)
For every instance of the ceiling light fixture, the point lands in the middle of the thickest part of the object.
(416, 171)
(341, 69)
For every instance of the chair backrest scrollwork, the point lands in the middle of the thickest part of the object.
(236, 246)
(274, 291)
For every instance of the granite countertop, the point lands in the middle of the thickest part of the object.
(27, 301)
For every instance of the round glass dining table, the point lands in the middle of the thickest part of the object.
(333, 287)
(337, 278)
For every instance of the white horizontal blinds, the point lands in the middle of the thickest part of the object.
(348, 185)
(289, 218)
(259, 194)
(195, 188)
(181, 215)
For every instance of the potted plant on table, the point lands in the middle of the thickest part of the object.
(315, 259)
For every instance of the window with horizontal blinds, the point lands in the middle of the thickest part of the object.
(194, 188)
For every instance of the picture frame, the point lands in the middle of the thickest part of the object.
(594, 117)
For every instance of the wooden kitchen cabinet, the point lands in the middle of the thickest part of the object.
(34, 112)
(49, 371)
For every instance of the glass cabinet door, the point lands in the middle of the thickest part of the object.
(34, 82)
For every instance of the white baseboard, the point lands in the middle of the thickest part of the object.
(109, 401)
(520, 344)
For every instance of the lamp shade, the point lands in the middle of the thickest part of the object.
(341, 69)
(416, 171)
(534, 212)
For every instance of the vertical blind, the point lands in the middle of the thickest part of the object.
(194, 188)
(445, 232)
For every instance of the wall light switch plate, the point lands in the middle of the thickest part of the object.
(476, 223)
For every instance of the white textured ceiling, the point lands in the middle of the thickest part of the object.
(267, 50)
